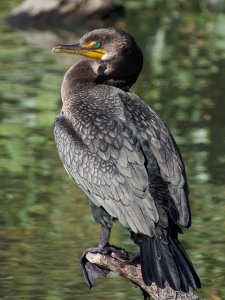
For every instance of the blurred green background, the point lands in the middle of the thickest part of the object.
(45, 222)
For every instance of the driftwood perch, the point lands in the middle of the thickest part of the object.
(132, 272)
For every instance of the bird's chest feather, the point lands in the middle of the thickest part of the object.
(92, 112)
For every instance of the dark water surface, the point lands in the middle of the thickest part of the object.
(45, 222)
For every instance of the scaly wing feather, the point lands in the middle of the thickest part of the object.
(108, 164)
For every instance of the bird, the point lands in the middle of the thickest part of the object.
(124, 157)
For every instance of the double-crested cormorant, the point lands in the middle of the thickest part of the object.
(124, 157)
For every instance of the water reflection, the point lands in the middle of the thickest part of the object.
(45, 221)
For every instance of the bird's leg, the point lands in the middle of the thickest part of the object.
(105, 248)
(134, 258)
(91, 271)
(104, 238)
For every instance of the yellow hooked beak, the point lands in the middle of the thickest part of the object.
(77, 49)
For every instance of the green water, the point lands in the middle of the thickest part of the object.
(45, 222)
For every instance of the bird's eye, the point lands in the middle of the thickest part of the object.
(97, 45)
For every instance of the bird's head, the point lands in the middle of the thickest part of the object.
(119, 57)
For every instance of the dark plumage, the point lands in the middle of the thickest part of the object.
(124, 157)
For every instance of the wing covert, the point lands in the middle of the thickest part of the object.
(108, 164)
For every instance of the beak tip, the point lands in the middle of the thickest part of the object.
(57, 49)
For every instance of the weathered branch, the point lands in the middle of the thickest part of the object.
(133, 272)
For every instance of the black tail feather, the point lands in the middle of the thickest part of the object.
(184, 264)
(163, 259)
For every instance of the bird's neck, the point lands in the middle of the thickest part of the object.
(85, 75)
(121, 83)
(79, 77)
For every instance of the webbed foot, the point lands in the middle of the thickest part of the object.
(90, 271)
